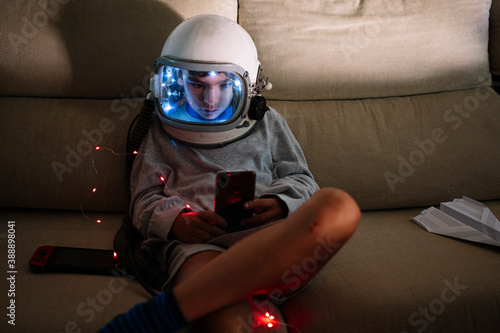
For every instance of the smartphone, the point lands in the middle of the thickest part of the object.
(232, 190)
(60, 259)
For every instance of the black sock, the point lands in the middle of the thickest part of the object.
(161, 314)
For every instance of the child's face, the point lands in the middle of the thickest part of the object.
(209, 94)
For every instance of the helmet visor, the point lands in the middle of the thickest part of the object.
(194, 96)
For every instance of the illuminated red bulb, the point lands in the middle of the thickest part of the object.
(115, 255)
(267, 320)
(98, 221)
(188, 206)
(135, 152)
(162, 178)
(94, 189)
(97, 148)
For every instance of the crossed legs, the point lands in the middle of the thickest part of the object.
(216, 287)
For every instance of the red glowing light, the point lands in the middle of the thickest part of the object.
(98, 221)
(97, 148)
(267, 320)
(188, 206)
(136, 152)
(94, 190)
(115, 255)
(162, 178)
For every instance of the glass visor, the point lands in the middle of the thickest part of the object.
(197, 94)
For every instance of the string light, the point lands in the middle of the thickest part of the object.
(94, 189)
(267, 320)
(264, 319)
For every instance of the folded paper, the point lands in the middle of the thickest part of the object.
(463, 218)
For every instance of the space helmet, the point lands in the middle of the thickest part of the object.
(207, 83)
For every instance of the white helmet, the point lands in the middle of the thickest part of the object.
(207, 82)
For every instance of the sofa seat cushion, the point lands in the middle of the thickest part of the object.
(394, 276)
(389, 270)
(53, 302)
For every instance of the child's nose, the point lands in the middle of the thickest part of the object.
(212, 95)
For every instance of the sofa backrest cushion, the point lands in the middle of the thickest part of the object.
(350, 49)
(89, 49)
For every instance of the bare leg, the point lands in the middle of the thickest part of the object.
(237, 317)
(271, 259)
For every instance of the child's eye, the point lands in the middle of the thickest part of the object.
(196, 85)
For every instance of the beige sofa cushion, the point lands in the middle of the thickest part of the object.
(83, 49)
(51, 161)
(402, 151)
(361, 49)
(445, 146)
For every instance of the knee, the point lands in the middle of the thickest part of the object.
(337, 212)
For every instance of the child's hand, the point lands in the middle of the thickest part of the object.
(198, 227)
(266, 210)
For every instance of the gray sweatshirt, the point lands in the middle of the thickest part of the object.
(167, 176)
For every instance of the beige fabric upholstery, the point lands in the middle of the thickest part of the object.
(388, 99)
(90, 49)
(394, 276)
(59, 167)
(403, 151)
(444, 146)
(361, 49)
(387, 271)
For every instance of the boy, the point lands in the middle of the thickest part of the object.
(211, 117)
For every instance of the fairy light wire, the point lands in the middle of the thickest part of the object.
(96, 173)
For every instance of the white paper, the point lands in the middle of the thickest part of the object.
(463, 218)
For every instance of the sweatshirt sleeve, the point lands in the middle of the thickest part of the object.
(153, 208)
(292, 181)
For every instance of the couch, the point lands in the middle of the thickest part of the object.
(393, 101)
